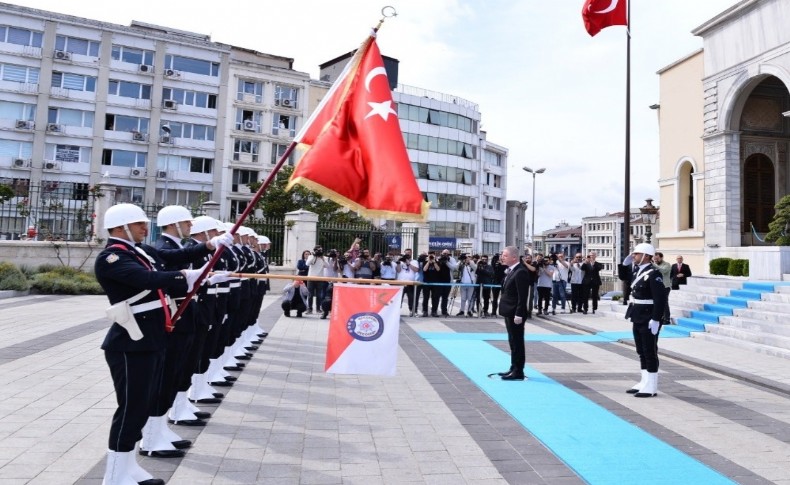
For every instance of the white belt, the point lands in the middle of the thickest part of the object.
(641, 302)
(223, 289)
(235, 284)
(146, 307)
(212, 291)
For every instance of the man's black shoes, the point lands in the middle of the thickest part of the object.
(514, 376)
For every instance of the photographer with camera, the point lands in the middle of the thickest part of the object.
(364, 266)
(315, 267)
(484, 275)
(499, 277)
(559, 280)
(388, 269)
(431, 274)
(545, 275)
(330, 268)
(407, 270)
(592, 282)
(577, 279)
(466, 277)
(447, 265)
(344, 265)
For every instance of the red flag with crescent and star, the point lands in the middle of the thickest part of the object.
(353, 147)
(599, 14)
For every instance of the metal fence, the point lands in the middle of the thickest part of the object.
(385, 241)
(274, 229)
(52, 211)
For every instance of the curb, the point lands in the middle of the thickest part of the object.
(13, 294)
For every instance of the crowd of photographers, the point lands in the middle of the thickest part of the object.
(478, 280)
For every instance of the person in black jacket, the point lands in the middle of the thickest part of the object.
(591, 284)
(485, 278)
(499, 276)
(679, 273)
(134, 347)
(513, 306)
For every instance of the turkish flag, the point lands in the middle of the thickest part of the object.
(599, 14)
(354, 149)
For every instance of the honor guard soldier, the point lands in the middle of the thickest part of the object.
(134, 347)
(645, 310)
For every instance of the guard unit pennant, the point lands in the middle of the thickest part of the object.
(354, 152)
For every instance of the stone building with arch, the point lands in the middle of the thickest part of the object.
(724, 120)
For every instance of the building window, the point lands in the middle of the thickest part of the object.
(685, 193)
(171, 196)
(491, 225)
(191, 98)
(248, 120)
(76, 82)
(20, 74)
(250, 91)
(16, 149)
(67, 153)
(278, 150)
(450, 201)
(245, 150)
(129, 89)
(125, 123)
(283, 125)
(439, 145)
(195, 66)
(442, 173)
(492, 158)
(435, 117)
(70, 117)
(758, 193)
(241, 178)
(132, 55)
(491, 248)
(123, 158)
(75, 45)
(14, 35)
(200, 165)
(178, 163)
(191, 131)
(237, 207)
(17, 111)
(452, 229)
(129, 195)
(285, 96)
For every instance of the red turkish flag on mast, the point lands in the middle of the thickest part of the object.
(354, 149)
(599, 14)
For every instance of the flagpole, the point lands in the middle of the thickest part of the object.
(625, 243)
(261, 190)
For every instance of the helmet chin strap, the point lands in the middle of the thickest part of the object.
(128, 233)
(178, 230)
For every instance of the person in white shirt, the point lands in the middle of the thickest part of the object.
(577, 277)
(388, 270)
(407, 270)
(466, 276)
(315, 267)
(558, 281)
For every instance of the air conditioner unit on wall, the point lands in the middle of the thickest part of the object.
(161, 174)
(137, 172)
(54, 128)
(137, 136)
(21, 163)
(172, 73)
(165, 139)
(24, 125)
(145, 68)
(169, 104)
(287, 103)
(62, 55)
(51, 165)
(248, 125)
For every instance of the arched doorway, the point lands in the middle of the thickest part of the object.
(759, 193)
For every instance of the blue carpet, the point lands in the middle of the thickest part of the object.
(599, 446)
(538, 337)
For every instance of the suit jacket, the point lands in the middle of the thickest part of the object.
(515, 293)
(673, 275)
(592, 273)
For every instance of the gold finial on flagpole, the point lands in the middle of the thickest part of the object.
(386, 12)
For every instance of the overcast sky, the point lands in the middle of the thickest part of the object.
(551, 94)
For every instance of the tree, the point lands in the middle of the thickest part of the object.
(6, 193)
(778, 228)
(276, 202)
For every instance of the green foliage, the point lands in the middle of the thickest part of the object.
(777, 229)
(276, 202)
(6, 193)
(719, 265)
(65, 280)
(735, 267)
(46, 268)
(616, 297)
(11, 278)
(745, 271)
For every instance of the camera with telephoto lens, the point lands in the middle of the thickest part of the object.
(341, 260)
(332, 253)
(318, 251)
(422, 258)
(388, 260)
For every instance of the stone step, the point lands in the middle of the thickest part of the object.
(761, 315)
(770, 306)
(679, 296)
(764, 326)
(743, 344)
(775, 297)
(784, 289)
(754, 336)
(722, 282)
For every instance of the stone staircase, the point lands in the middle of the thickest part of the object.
(735, 311)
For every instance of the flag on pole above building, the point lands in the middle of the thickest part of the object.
(599, 14)
(353, 147)
(363, 330)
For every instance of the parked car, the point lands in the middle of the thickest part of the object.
(612, 295)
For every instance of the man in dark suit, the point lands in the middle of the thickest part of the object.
(591, 283)
(134, 347)
(679, 273)
(513, 306)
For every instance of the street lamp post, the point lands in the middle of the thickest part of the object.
(649, 212)
(166, 132)
(532, 226)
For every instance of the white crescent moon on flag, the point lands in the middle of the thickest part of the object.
(612, 6)
(380, 71)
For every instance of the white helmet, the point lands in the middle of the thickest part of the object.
(263, 240)
(173, 214)
(220, 226)
(123, 214)
(203, 224)
(245, 231)
(645, 248)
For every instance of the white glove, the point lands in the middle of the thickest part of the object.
(191, 276)
(224, 239)
(220, 277)
(654, 325)
(629, 260)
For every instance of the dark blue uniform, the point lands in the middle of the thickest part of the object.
(135, 366)
(648, 299)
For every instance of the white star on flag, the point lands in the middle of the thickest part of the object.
(382, 109)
